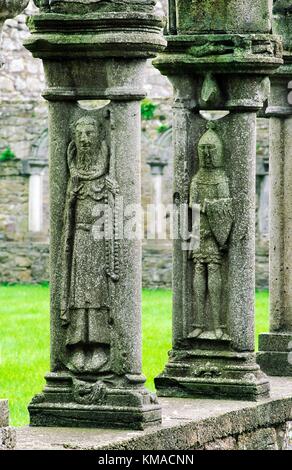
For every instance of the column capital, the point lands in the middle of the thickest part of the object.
(225, 54)
(101, 34)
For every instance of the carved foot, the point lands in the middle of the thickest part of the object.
(196, 333)
(98, 360)
(77, 361)
(219, 333)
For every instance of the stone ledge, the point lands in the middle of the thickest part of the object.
(187, 424)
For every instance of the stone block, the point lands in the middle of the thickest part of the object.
(4, 413)
(262, 439)
(280, 342)
(224, 16)
(229, 443)
(275, 363)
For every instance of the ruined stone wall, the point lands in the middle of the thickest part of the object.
(23, 119)
(23, 124)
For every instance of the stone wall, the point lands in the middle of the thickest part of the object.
(188, 424)
(23, 124)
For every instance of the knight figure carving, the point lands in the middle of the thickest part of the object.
(210, 191)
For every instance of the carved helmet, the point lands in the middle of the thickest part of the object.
(212, 139)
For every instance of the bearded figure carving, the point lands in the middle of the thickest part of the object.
(88, 267)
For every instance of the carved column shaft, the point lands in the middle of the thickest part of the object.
(95, 192)
(219, 65)
(275, 346)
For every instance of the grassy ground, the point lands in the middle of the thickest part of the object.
(24, 347)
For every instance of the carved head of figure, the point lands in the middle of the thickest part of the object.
(210, 149)
(85, 132)
(88, 151)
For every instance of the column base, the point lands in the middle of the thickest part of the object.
(275, 354)
(85, 402)
(213, 374)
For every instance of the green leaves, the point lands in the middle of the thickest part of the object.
(7, 154)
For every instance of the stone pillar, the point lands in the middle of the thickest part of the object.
(275, 347)
(7, 434)
(217, 61)
(95, 378)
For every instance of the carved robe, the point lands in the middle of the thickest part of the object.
(86, 294)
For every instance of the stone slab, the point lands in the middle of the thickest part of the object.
(275, 354)
(281, 342)
(187, 424)
(275, 363)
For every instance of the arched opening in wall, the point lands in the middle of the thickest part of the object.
(213, 115)
(38, 186)
(90, 105)
(157, 203)
(262, 204)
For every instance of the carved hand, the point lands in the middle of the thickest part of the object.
(111, 185)
(75, 182)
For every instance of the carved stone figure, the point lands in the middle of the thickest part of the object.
(96, 375)
(87, 258)
(210, 190)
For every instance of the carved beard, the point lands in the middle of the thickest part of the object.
(84, 158)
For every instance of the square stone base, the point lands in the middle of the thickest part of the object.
(73, 415)
(275, 354)
(211, 374)
(93, 405)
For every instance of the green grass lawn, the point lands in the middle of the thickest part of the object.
(24, 347)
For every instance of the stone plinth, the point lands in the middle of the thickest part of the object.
(214, 175)
(186, 425)
(275, 347)
(95, 174)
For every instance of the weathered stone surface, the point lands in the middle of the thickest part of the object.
(10, 8)
(275, 347)
(23, 130)
(214, 170)
(186, 424)
(221, 16)
(7, 438)
(4, 413)
(227, 443)
(263, 439)
(7, 434)
(96, 377)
